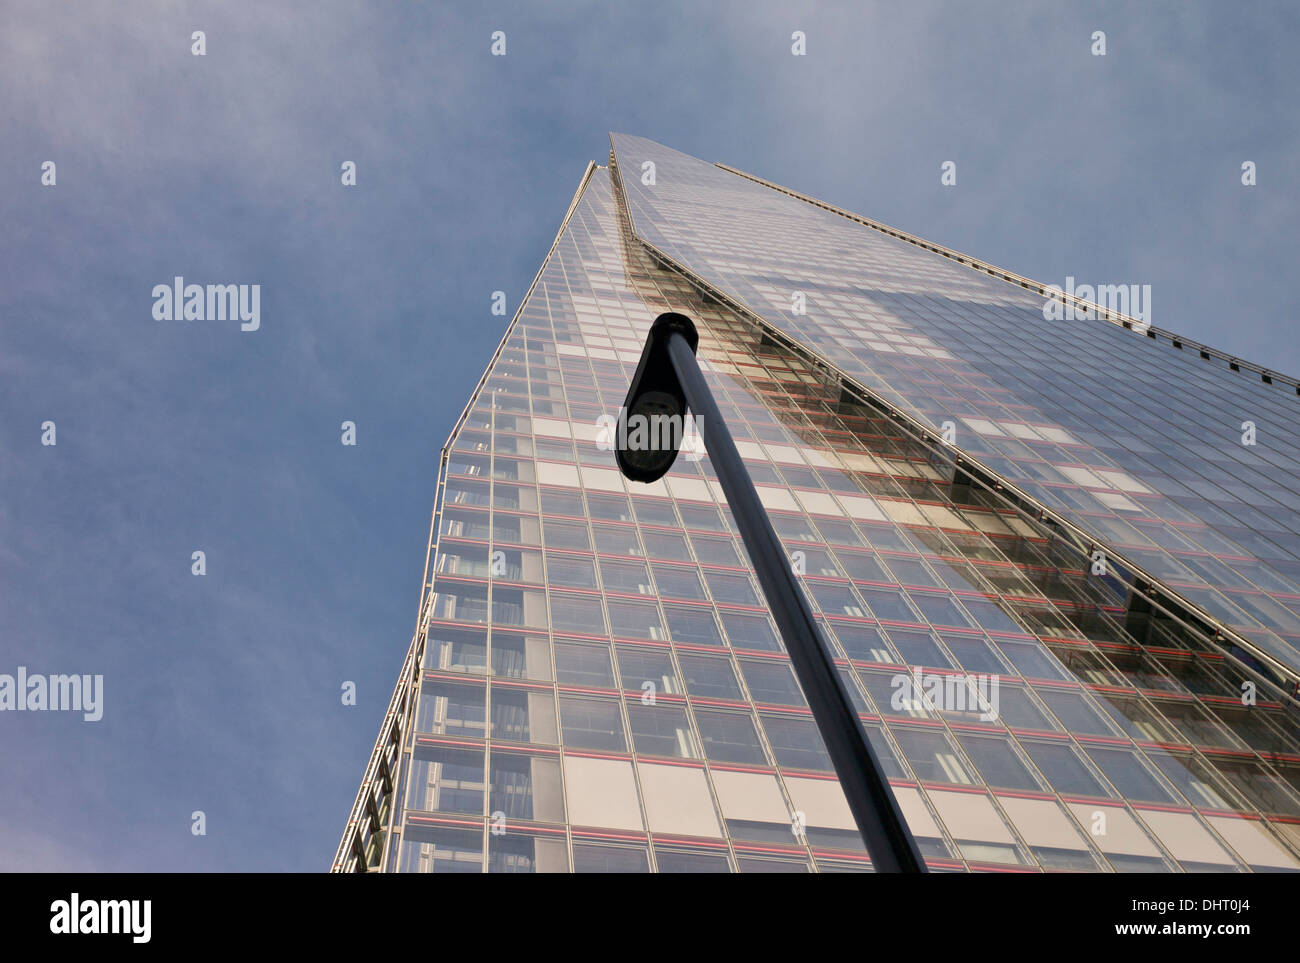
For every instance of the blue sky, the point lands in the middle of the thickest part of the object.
(221, 693)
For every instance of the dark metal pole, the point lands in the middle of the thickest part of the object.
(876, 811)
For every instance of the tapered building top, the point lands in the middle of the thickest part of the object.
(1059, 582)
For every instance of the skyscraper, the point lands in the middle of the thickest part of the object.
(1057, 562)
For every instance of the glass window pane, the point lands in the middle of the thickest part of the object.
(524, 715)
(577, 613)
(1061, 763)
(525, 787)
(729, 736)
(452, 709)
(997, 761)
(601, 858)
(678, 581)
(662, 730)
(796, 743)
(577, 663)
(526, 852)
(692, 625)
(628, 577)
(771, 682)
(1130, 774)
(635, 620)
(931, 754)
(753, 632)
(592, 723)
(577, 571)
(691, 861)
(731, 588)
(446, 780)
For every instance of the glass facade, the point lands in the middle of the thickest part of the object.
(596, 685)
(1136, 439)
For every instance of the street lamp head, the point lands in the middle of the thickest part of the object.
(652, 421)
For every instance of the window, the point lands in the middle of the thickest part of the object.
(1196, 725)
(638, 665)
(998, 761)
(818, 562)
(525, 787)
(731, 588)
(452, 650)
(592, 723)
(678, 581)
(756, 864)
(1192, 776)
(668, 546)
(691, 861)
(692, 625)
(932, 755)
(1018, 710)
(939, 609)
(796, 742)
(792, 528)
(990, 615)
(631, 578)
(895, 693)
(838, 531)
(889, 761)
(888, 604)
(526, 852)
(714, 550)
(1064, 768)
(1033, 660)
(521, 656)
(862, 642)
(655, 511)
(835, 598)
(752, 632)
(918, 647)
(603, 858)
(862, 566)
(616, 539)
(577, 613)
(581, 664)
(460, 601)
(709, 677)
(729, 736)
(576, 571)
(1130, 774)
(523, 715)
(635, 620)
(452, 708)
(610, 508)
(567, 534)
(440, 849)
(559, 502)
(702, 518)
(771, 682)
(1137, 718)
(1075, 711)
(1263, 788)
(913, 571)
(446, 780)
(662, 730)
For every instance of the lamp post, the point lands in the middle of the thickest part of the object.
(668, 383)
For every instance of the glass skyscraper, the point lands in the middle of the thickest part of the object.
(1057, 563)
